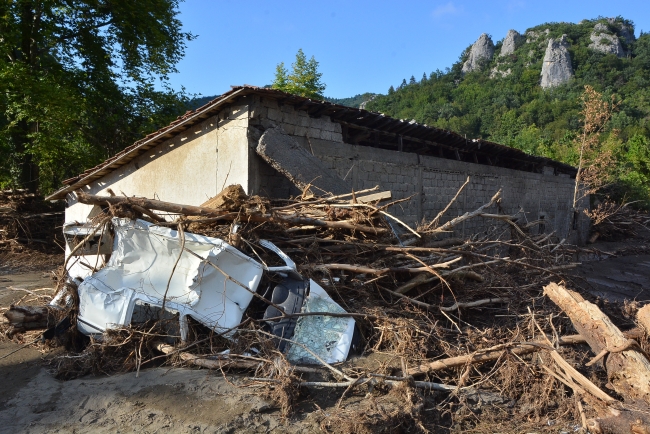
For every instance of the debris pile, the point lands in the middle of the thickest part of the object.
(334, 294)
(29, 227)
(612, 221)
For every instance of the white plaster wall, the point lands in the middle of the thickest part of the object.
(189, 169)
(233, 150)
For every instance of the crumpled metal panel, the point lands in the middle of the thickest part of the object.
(139, 270)
(100, 244)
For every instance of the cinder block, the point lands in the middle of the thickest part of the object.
(274, 114)
(271, 103)
(289, 129)
(258, 111)
(289, 118)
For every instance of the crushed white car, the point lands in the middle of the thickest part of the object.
(206, 279)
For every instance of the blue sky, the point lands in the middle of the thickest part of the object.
(362, 46)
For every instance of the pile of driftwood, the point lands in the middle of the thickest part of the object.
(615, 222)
(453, 327)
(27, 222)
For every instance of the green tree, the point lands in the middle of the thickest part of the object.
(78, 82)
(635, 170)
(281, 81)
(304, 79)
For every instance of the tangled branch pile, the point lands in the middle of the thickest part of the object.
(454, 325)
(612, 221)
(29, 227)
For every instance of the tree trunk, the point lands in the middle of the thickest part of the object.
(628, 370)
(24, 318)
(189, 210)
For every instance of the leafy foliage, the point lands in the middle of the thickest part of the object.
(511, 107)
(304, 79)
(78, 79)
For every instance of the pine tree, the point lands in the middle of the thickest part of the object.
(281, 81)
(304, 79)
(403, 85)
(391, 90)
(424, 78)
(412, 80)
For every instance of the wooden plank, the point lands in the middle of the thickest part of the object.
(382, 195)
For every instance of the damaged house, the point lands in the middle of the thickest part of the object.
(275, 144)
(278, 145)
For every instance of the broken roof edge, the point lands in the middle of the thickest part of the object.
(190, 118)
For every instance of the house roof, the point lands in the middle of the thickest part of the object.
(369, 128)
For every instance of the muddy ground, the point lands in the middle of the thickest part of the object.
(199, 401)
(157, 400)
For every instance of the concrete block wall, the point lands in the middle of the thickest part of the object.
(432, 181)
(267, 112)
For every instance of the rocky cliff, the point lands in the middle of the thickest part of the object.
(510, 43)
(624, 30)
(604, 41)
(480, 53)
(556, 66)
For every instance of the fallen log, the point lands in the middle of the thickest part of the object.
(190, 210)
(476, 303)
(491, 354)
(210, 363)
(24, 318)
(643, 317)
(379, 271)
(494, 353)
(628, 370)
(222, 361)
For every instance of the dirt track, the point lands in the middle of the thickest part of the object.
(176, 400)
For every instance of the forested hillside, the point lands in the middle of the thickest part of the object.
(502, 99)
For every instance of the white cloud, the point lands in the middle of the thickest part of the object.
(446, 9)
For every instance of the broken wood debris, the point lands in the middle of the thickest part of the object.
(428, 299)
